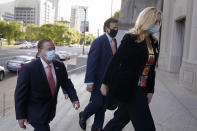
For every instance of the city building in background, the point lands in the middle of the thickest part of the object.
(78, 17)
(7, 16)
(36, 12)
(62, 21)
(7, 11)
(57, 8)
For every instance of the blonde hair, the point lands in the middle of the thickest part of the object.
(145, 21)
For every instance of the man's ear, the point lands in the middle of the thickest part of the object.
(106, 29)
(39, 50)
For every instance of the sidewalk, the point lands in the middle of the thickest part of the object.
(173, 108)
(177, 107)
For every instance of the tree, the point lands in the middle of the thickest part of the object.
(18, 35)
(58, 32)
(116, 14)
(11, 30)
(32, 32)
(3, 24)
(75, 36)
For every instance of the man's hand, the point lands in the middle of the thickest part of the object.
(22, 122)
(66, 96)
(90, 88)
(76, 105)
(149, 97)
(104, 89)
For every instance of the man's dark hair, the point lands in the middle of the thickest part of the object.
(108, 22)
(41, 42)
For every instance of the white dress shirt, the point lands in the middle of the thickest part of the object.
(109, 38)
(45, 65)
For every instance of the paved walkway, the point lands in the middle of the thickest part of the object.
(173, 108)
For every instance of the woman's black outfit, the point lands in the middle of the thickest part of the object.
(122, 78)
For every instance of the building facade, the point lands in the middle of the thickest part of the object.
(178, 41)
(62, 21)
(7, 11)
(36, 12)
(47, 12)
(56, 7)
(7, 16)
(78, 16)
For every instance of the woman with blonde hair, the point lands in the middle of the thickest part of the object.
(130, 76)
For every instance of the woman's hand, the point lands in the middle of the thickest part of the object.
(104, 89)
(149, 97)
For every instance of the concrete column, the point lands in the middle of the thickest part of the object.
(188, 73)
(192, 54)
(166, 35)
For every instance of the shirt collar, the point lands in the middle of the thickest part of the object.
(44, 63)
(109, 37)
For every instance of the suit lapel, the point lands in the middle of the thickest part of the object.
(57, 69)
(108, 44)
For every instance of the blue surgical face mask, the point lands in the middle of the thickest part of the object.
(50, 55)
(154, 29)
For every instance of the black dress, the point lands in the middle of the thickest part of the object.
(122, 77)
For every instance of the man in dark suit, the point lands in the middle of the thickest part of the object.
(101, 51)
(37, 88)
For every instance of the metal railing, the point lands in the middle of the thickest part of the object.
(7, 99)
(79, 69)
(6, 102)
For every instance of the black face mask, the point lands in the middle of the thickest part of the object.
(113, 33)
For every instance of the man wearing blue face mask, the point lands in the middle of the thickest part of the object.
(37, 88)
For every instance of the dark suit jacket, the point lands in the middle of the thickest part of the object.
(98, 58)
(126, 66)
(33, 98)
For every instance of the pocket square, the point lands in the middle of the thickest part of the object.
(57, 68)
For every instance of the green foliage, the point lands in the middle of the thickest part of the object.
(11, 30)
(116, 14)
(32, 32)
(74, 36)
(58, 32)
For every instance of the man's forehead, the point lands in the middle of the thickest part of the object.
(48, 44)
(113, 24)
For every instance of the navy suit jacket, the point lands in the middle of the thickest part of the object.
(33, 98)
(98, 58)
